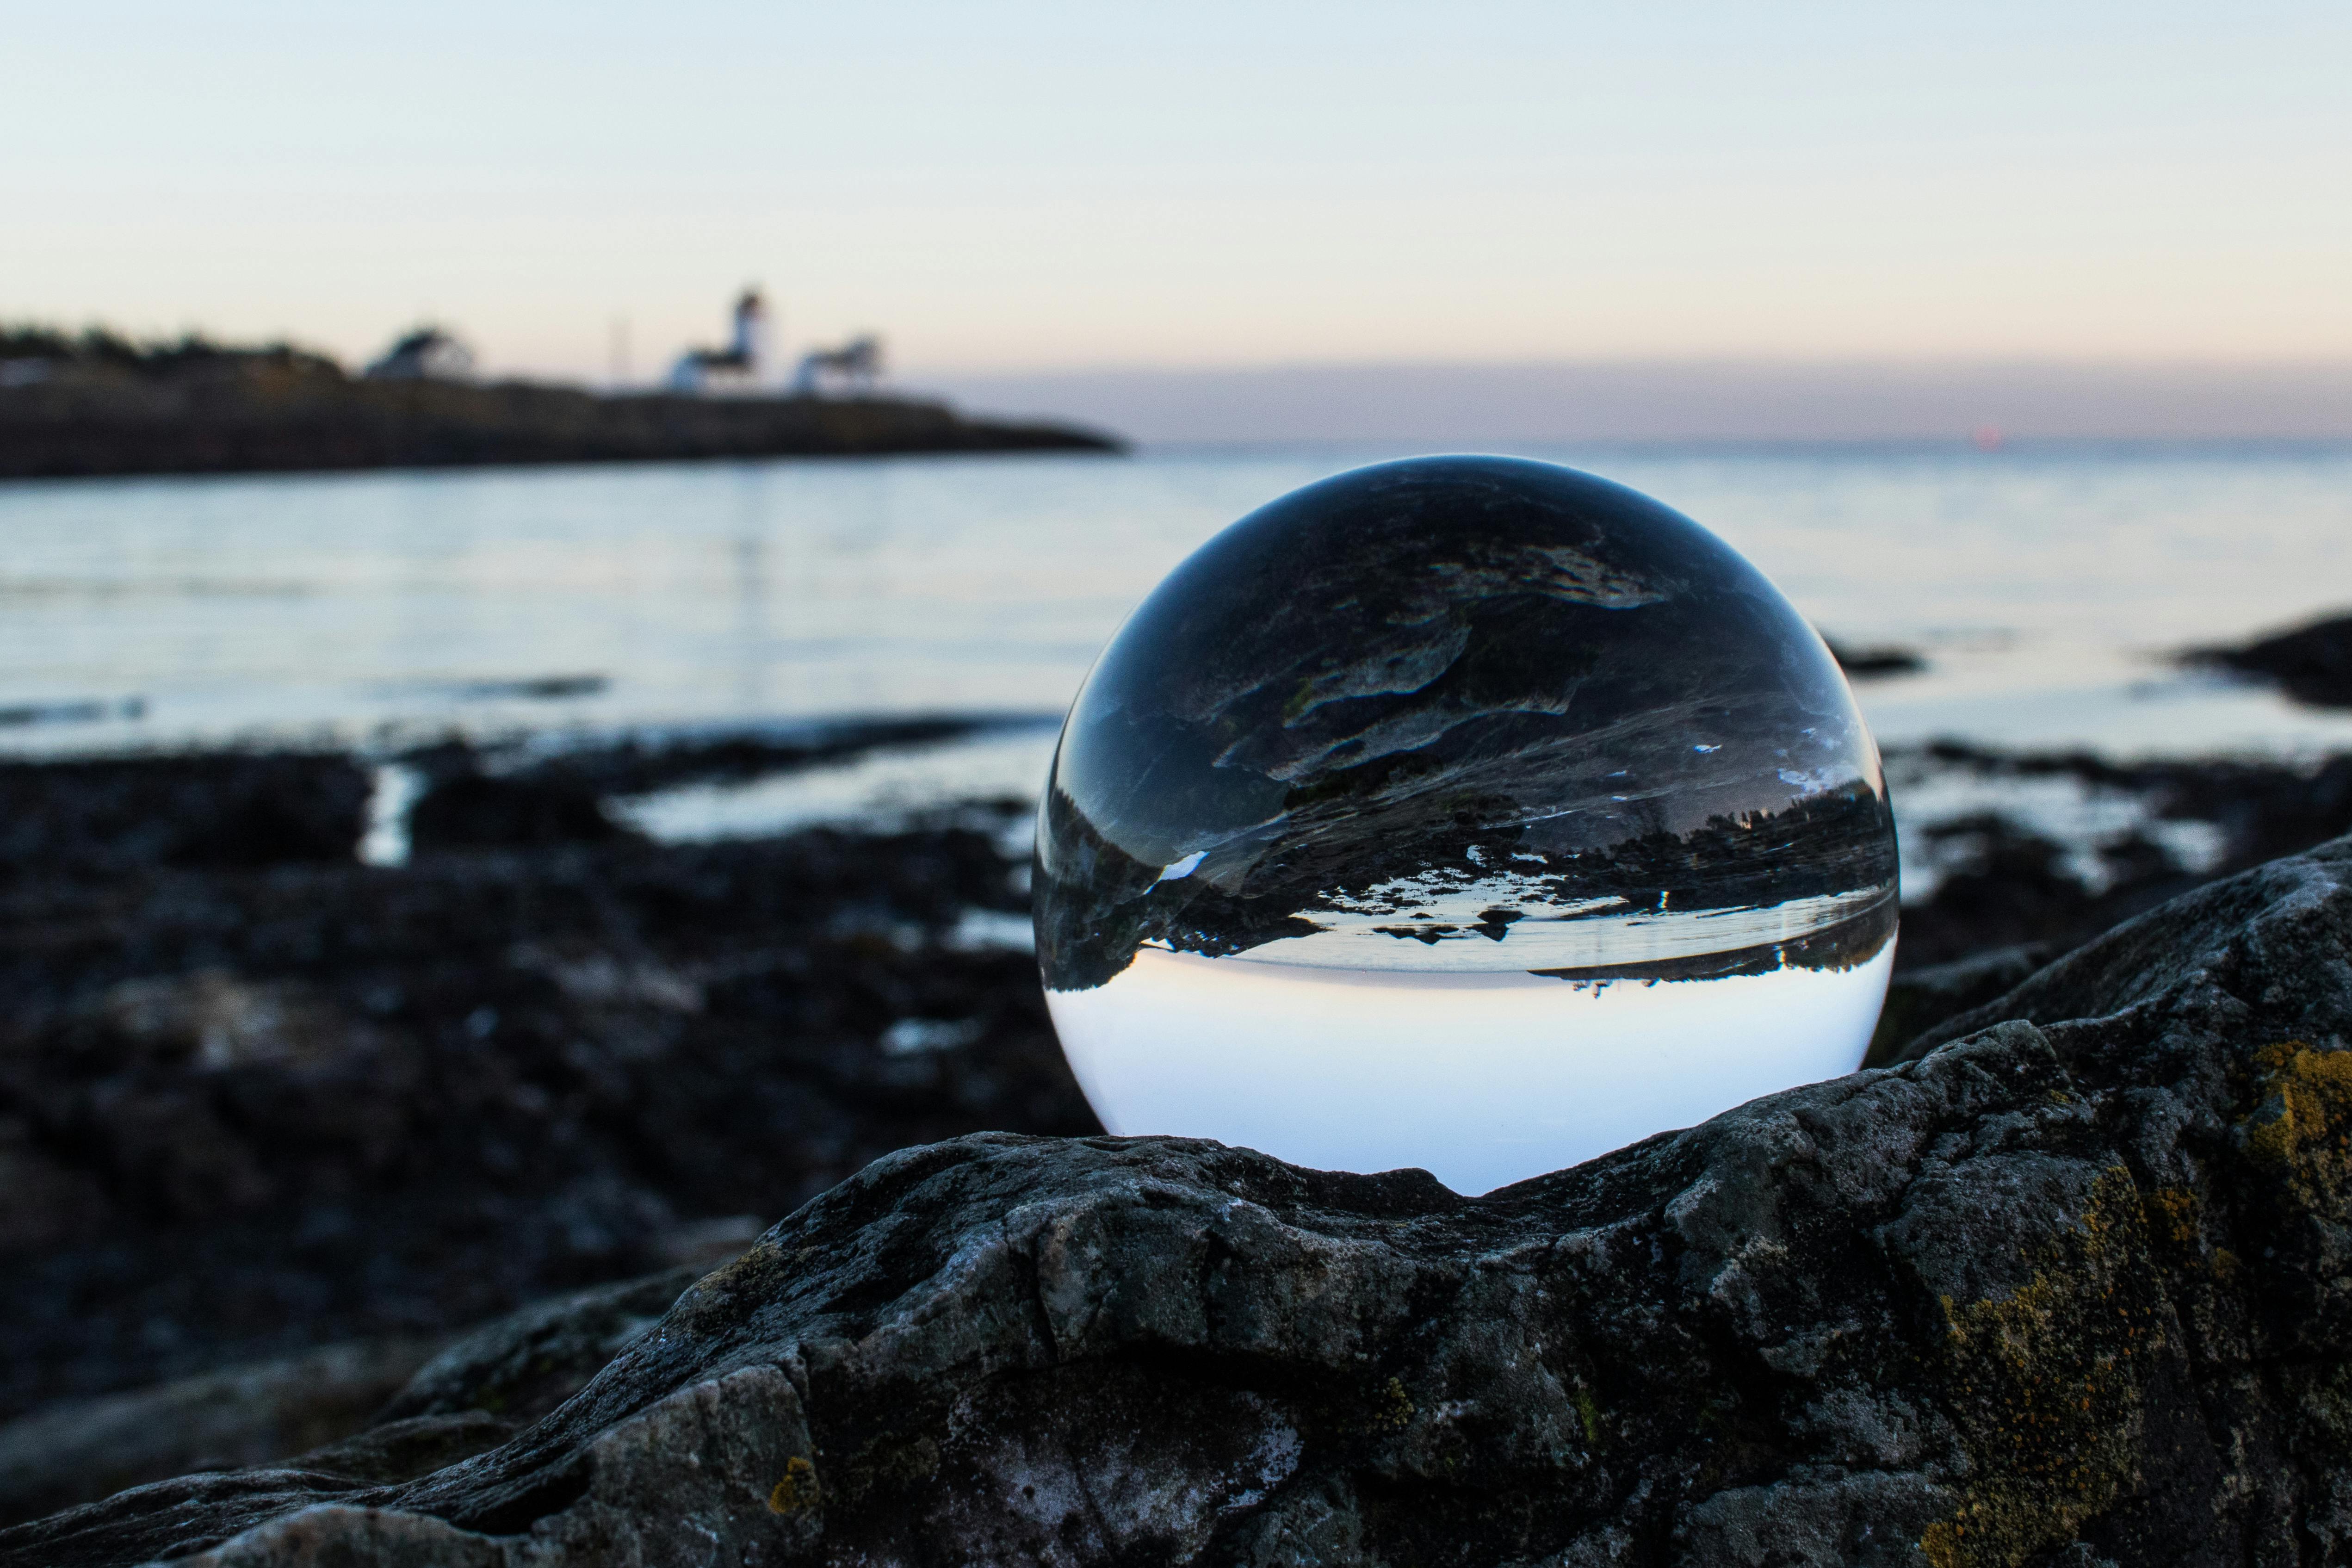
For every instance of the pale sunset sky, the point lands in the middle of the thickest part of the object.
(1054, 188)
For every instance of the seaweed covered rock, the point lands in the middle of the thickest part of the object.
(2311, 663)
(246, 1114)
(2072, 1289)
(225, 811)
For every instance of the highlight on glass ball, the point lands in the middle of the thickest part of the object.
(1471, 814)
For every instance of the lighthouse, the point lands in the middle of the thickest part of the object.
(742, 366)
(749, 346)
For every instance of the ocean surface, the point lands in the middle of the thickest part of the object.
(2045, 588)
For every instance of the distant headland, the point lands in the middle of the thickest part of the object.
(93, 402)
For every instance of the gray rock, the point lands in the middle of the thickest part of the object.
(82, 1449)
(2312, 663)
(374, 1410)
(2071, 1289)
(522, 1365)
(1919, 999)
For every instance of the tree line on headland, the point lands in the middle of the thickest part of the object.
(95, 402)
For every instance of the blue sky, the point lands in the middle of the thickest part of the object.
(1040, 186)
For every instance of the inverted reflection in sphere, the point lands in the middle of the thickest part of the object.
(1464, 813)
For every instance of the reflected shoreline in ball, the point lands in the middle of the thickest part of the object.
(1466, 813)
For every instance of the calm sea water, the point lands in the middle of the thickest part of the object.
(2044, 587)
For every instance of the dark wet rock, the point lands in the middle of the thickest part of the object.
(350, 1400)
(2264, 809)
(2237, 945)
(72, 711)
(528, 1362)
(493, 1381)
(2006, 885)
(228, 1419)
(2074, 1288)
(1875, 663)
(244, 1112)
(536, 688)
(405, 1450)
(1920, 998)
(2311, 663)
(482, 811)
(225, 811)
(638, 765)
(498, 798)
(193, 1047)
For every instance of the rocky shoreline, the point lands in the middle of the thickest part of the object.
(277, 1124)
(256, 1097)
(2070, 1289)
(277, 412)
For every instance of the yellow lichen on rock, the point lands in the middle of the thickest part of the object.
(1588, 1410)
(2301, 1121)
(2172, 1215)
(2052, 1410)
(1393, 1407)
(797, 1492)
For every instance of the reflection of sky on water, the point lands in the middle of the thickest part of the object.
(2077, 817)
(879, 786)
(2041, 585)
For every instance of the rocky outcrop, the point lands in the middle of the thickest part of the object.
(225, 811)
(248, 1113)
(445, 1401)
(82, 1449)
(2311, 663)
(243, 413)
(2006, 880)
(257, 1100)
(1875, 662)
(2071, 1288)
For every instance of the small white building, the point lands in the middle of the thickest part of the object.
(740, 366)
(853, 369)
(428, 353)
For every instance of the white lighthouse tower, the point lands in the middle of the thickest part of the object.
(742, 366)
(751, 341)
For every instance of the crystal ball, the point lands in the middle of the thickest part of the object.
(1471, 814)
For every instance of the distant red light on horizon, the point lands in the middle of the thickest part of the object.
(1987, 437)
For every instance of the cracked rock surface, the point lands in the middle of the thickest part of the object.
(2070, 1288)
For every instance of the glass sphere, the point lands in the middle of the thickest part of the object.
(1466, 813)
